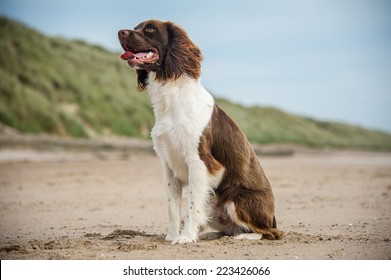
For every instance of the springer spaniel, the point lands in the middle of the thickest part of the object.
(199, 144)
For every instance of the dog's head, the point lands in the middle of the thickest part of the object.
(162, 47)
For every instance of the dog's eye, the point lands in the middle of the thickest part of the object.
(150, 29)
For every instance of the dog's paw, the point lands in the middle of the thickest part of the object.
(183, 239)
(249, 236)
(172, 237)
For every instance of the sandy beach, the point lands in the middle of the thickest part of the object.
(65, 204)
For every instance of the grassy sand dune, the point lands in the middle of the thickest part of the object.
(71, 88)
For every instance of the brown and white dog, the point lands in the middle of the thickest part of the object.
(199, 144)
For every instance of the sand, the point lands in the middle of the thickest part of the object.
(67, 204)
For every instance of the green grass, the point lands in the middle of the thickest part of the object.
(74, 89)
(270, 125)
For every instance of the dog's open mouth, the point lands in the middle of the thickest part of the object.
(136, 58)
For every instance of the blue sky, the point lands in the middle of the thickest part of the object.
(328, 59)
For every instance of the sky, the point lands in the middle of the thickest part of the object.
(325, 59)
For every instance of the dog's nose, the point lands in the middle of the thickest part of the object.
(123, 33)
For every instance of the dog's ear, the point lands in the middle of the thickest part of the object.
(142, 76)
(183, 56)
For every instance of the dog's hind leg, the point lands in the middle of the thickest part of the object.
(250, 211)
(213, 235)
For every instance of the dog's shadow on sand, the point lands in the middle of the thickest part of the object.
(129, 234)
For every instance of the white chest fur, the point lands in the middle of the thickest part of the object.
(182, 110)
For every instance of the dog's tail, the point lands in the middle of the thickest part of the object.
(269, 233)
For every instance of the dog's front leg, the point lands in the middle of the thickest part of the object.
(197, 201)
(174, 196)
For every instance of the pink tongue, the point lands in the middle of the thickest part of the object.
(129, 55)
